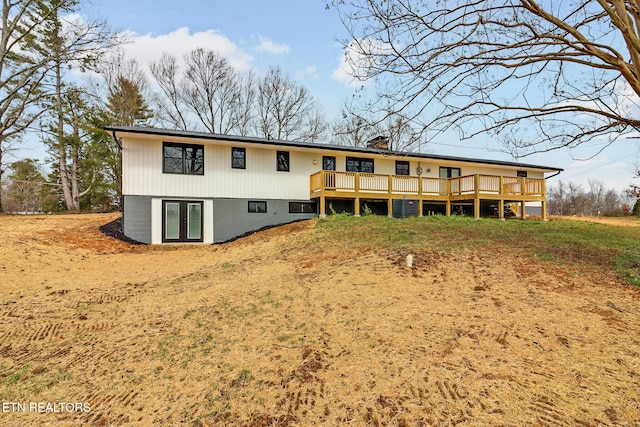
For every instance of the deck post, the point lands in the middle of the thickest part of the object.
(420, 212)
(544, 199)
(476, 201)
(501, 208)
(323, 202)
(448, 208)
(523, 214)
(390, 207)
(356, 188)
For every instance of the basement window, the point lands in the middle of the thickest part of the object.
(302, 207)
(257, 207)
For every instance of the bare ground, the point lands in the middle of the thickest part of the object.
(276, 329)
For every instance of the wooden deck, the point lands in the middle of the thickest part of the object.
(357, 186)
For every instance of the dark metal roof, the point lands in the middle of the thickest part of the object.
(314, 145)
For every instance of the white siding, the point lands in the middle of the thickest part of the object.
(142, 173)
(142, 170)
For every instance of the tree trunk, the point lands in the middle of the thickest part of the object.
(1, 173)
(62, 154)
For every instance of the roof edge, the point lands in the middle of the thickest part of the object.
(315, 145)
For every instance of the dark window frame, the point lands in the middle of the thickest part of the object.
(449, 172)
(242, 158)
(312, 207)
(358, 161)
(183, 159)
(328, 161)
(256, 203)
(403, 172)
(521, 174)
(280, 157)
(183, 206)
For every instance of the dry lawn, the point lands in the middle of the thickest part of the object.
(277, 329)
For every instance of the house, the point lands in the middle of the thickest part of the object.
(198, 187)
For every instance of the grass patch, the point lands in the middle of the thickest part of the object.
(562, 241)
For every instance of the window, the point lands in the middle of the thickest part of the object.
(328, 163)
(446, 172)
(282, 158)
(238, 158)
(402, 168)
(302, 207)
(355, 164)
(187, 159)
(521, 174)
(257, 207)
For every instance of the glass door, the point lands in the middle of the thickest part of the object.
(181, 221)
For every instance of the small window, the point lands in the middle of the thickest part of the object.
(355, 164)
(187, 159)
(257, 207)
(302, 207)
(238, 158)
(328, 163)
(402, 167)
(522, 174)
(282, 158)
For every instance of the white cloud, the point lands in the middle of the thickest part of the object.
(268, 46)
(309, 72)
(148, 48)
(357, 58)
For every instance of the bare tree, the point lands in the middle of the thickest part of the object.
(286, 110)
(208, 94)
(539, 75)
(210, 89)
(634, 189)
(170, 107)
(596, 197)
(358, 126)
(572, 199)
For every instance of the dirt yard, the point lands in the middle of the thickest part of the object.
(276, 329)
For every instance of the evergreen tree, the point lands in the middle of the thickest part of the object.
(25, 186)
(24, 65)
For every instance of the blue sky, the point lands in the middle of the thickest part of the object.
(300, 36)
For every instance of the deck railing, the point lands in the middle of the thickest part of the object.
(356, 182)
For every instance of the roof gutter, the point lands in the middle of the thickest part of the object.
(555, 174)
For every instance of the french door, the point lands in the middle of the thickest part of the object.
(454, 185)
(181, 221)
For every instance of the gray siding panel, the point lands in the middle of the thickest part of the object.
(231, 217)
(136, 214)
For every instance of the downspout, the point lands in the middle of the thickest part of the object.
(115, 139)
